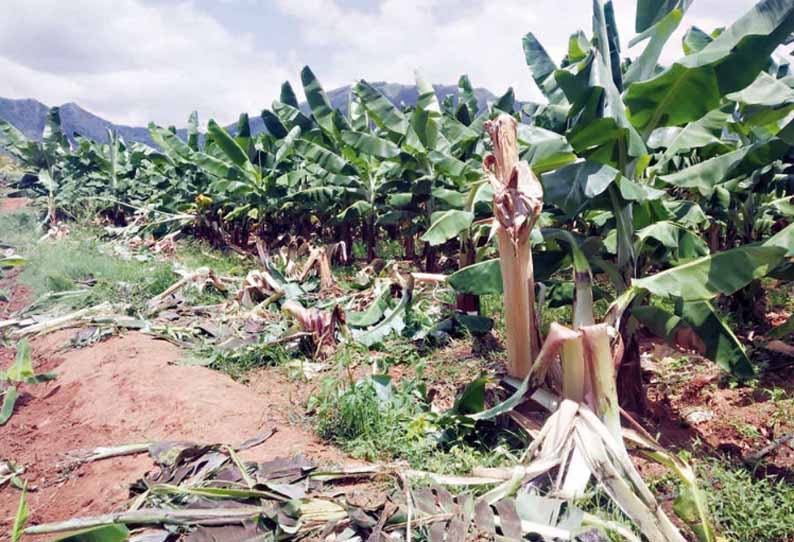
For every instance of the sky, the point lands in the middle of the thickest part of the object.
(132, 61)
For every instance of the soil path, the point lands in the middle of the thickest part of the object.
(127, 390)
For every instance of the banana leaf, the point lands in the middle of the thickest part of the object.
(695, 84)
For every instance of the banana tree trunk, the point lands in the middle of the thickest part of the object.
(371, 236)
(409, 246)
(469, 303)
(431, 258)
(347, 237)
(517, 203)
(631, 389)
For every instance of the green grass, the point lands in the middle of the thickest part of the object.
(239, 362)
(81, 262)
(19, 229)
(194, 254)
(746, 509)
(380, 420)
(780, 295)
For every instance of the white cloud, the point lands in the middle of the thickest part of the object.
(133, 62)
(481, 37)
(136, 60)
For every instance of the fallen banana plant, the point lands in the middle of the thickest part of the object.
(323, 325)
(201, 277)
(208, 491)
(72, 319)
(320, 259)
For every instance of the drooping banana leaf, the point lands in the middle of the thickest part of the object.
(321, 156)
(695, 135)
(485, 278)
(721, 273)
(571, 187)
(174, 147)
(446, 225)
(706, 175)
(766, 101)
(783, 239)
(722, 346)
(371, 144)
(545, 150)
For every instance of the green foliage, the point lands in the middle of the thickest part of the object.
(20, 229)
(239, 362)
(748, 508)
(80, 262)
(372, 418)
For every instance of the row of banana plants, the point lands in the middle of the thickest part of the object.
(666, 182)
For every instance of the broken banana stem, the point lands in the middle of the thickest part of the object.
(517, 203)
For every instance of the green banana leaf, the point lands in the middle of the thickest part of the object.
(371, 144)
(545, 150)
(485, 278)
(695, 84)
(706, 175)
(321, 156)
(644, 66)
(598, 116)
(287, 95)
(319, 103)
(542, 67)
(651, 12)
(571, 187)
(385, 115)
(292, 116)
(446, 225)
(695, 40)
(721, 273)
(722, 346)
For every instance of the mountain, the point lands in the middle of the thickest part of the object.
(29, 115)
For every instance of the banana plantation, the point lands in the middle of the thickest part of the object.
(563, 320)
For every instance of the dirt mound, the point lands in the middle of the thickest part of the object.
(123, 391)
(9, 205)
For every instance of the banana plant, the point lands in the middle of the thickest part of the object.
(41, 159)
(619, 185)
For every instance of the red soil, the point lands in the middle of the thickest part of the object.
(8, 205)
(127, 390)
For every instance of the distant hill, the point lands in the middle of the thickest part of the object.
(29, 115)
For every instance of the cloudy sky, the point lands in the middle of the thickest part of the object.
(132, 61)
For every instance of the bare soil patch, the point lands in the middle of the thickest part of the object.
(126, 390)
(693, 403)
(18, 294)
(9, 205)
